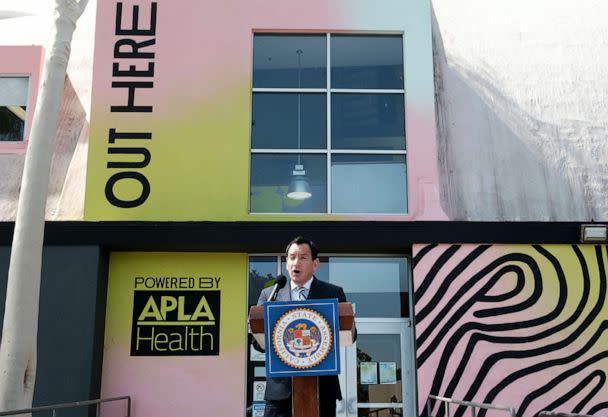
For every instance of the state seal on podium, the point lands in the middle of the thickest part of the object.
(303, 337)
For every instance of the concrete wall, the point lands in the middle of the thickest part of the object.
(522, 113)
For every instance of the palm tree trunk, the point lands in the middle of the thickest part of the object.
(20, 328)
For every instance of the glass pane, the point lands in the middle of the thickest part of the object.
(293, 61)
(272, 178)
(275, 121)
(13, 91)
(12, 123)
(13, 107)
(376, 285)
(366, 62)
(367, 121)
(379, 368)
(368, 184)
(262, 272)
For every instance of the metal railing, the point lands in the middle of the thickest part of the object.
(560, 414)
(474, 406)
(76, 404)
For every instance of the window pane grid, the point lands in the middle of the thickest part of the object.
(365, 91)
(328, 135)
(329, 152)
(289, 90)
(325, 90)
(292, 151)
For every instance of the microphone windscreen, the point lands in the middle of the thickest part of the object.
(280, 281)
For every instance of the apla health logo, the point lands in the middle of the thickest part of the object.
(175, 323)
(302, 338)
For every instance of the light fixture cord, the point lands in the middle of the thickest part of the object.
(299, 52)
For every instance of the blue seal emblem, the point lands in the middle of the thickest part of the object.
(302, 338)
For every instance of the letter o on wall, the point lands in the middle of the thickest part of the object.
(117, 202)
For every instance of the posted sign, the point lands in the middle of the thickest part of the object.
(302, 338)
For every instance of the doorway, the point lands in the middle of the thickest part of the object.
(377, 378)
(378, 372)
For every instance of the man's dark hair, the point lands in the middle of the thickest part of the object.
(299, 240)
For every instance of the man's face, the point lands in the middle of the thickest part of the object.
(300, 264)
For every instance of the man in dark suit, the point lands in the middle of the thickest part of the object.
(302, 262)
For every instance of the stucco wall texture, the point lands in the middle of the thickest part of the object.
(521, 111)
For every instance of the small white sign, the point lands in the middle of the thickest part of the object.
(259, 388)
(256, 355)
(369, 372)
(388, 372)
(257, 409)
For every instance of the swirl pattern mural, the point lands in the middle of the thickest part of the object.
(516, 325)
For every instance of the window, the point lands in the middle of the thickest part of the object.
(328, 124)
(14, 92)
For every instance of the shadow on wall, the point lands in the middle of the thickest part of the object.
(497, 162)
(71, 130)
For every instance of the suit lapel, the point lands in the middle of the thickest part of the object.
(314, 289)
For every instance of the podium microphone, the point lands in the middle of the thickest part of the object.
(278, 284)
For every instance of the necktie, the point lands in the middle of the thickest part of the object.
(302, 293)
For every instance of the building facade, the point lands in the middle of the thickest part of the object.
(443, 161)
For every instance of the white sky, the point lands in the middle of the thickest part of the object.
(11, 7)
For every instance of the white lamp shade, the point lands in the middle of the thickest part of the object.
(299, 189)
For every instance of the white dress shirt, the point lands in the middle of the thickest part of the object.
(294, 289)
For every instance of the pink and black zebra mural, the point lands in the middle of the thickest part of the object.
(516, 325)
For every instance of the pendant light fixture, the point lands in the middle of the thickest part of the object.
(299, 188)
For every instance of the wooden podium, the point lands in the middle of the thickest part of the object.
(305, 389)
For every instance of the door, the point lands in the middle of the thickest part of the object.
(377, 376)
